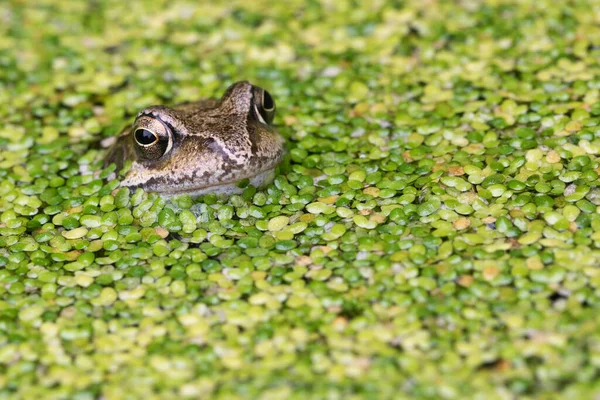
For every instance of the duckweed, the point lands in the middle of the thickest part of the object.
(433, 232)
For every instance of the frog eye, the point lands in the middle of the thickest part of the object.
(152, 137)
(267, 101)
(265, 108)
(145, 137)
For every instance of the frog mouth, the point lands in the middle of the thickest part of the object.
(196, 185)
(230, 187)
(263, 177)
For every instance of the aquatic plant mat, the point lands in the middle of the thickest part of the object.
(433, 234)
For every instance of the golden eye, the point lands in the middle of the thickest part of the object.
(145, 137)
(152, 138)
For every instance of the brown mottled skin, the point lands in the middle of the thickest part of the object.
(202, 147)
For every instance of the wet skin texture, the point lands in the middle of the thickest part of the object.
(202, 147)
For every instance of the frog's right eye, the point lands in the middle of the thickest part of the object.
(264, 106)
(153, 138)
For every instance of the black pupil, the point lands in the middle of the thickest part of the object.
(267, 101)
(144, 136)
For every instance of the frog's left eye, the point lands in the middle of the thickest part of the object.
(152, 138)
(145, 137)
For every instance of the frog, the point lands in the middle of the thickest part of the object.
(201, 147)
